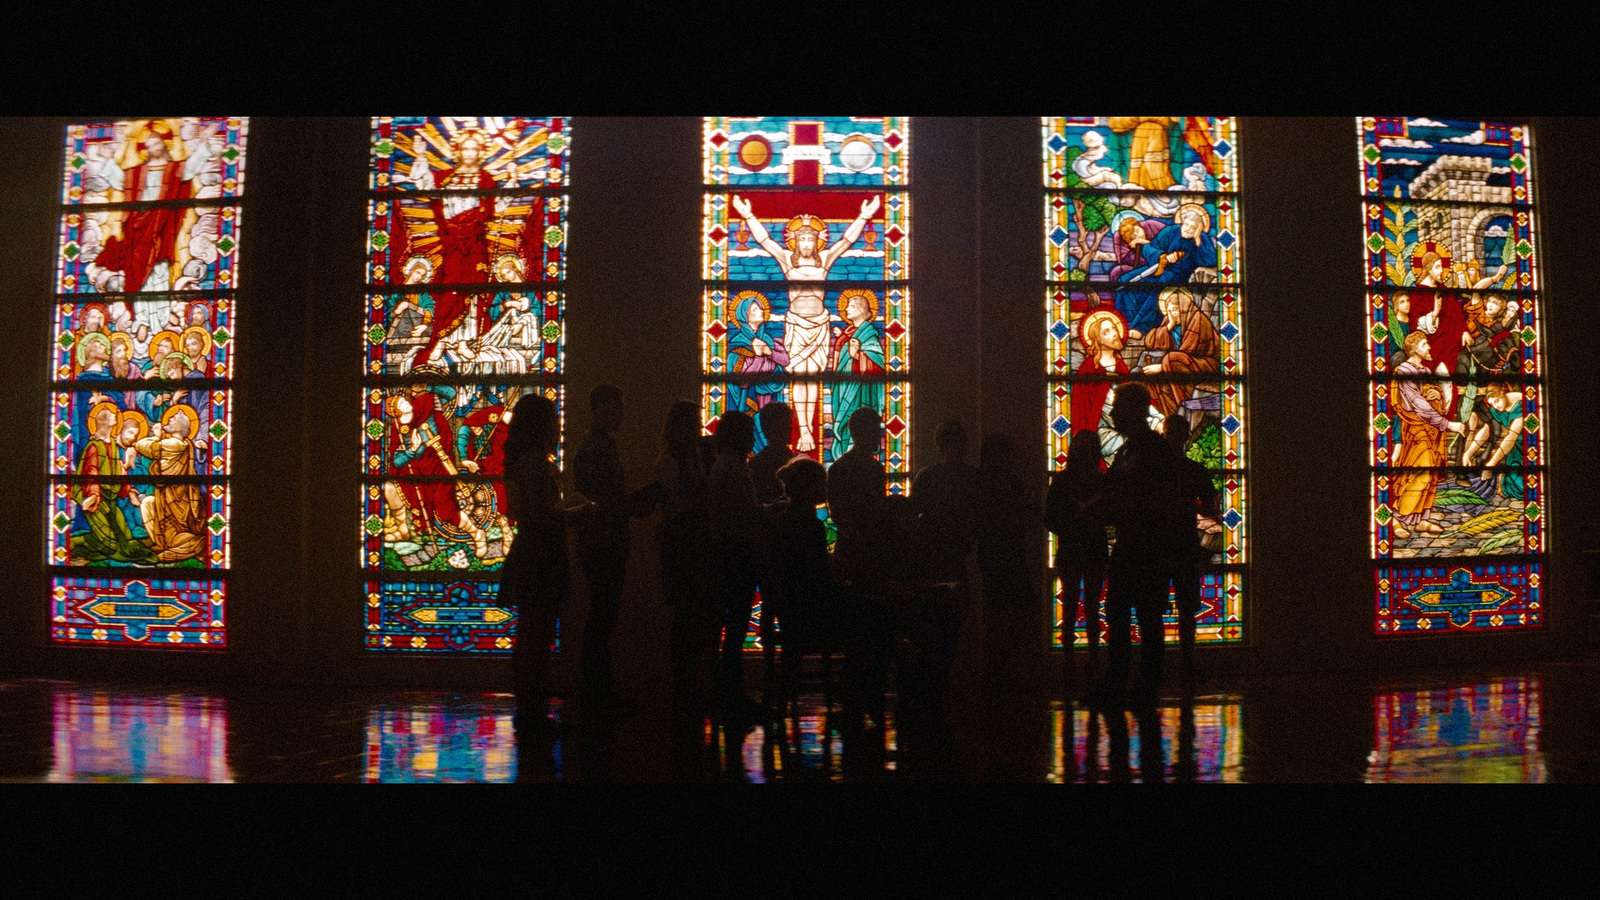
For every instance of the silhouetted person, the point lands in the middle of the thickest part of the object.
(706, 445)
(937, 545)
(737, 532)
(1007, 519)
(946, 495)
(537, 577)
(683, 538)
(1143, 490)
(800, 589)
(1198, 494)
(603, 544)
(856, 485)
(1071, 513)
(775, 419)
(863, 551)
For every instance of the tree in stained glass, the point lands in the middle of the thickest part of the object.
(466, 257)
(806, 261)
(1457, 420)
(1143, 268)
(141, 360)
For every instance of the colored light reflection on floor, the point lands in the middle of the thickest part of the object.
(442, 739)
(1483, 732)
(99, 735)
(1198, 741)
(805, 746)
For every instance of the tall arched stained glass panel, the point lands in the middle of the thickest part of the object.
(142, 363)
(1143, 267)
(1453, 337)
(806, 258)
(466, 260)
(773, 184)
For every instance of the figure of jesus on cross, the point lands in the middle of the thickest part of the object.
(806, 256)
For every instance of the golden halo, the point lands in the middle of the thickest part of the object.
(205, 348)
(742, 296)
(186, 409)
(155, 344)
(121, 337)
(98, 408)
(475, 135)
(1425, 249)
(137, 416)
(187, 364)
(165, 129)
(97, 337)
(1171, 292)
(872, 302)
(509, 259)
(1205, 217)
(417, 262)
(802, 222)
(1091, 324)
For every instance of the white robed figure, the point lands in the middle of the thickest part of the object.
(806, 324)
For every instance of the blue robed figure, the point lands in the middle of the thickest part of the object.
(1171, 257)
(755, 347)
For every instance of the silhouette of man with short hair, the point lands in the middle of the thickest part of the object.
(1144, 485)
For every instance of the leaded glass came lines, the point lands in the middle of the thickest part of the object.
(142, 349)
(465, 268)
(1457, 426)
(1144, 255)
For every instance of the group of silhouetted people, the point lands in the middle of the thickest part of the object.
(736, 529)
(1128, 533)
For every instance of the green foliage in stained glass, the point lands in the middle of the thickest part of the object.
(1206, 447)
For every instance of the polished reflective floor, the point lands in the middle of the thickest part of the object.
(1529, 723)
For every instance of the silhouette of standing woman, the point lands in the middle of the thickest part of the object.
(683, 539)
(537, 578)
(1081, 549)
(738, 527)
(1187, 557)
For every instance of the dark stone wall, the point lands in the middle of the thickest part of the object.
(634, 319)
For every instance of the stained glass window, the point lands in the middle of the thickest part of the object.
(466, 257)
(1143, 268)
(1453, 337)
(789, 203)
(142, 365)
(806, 259)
